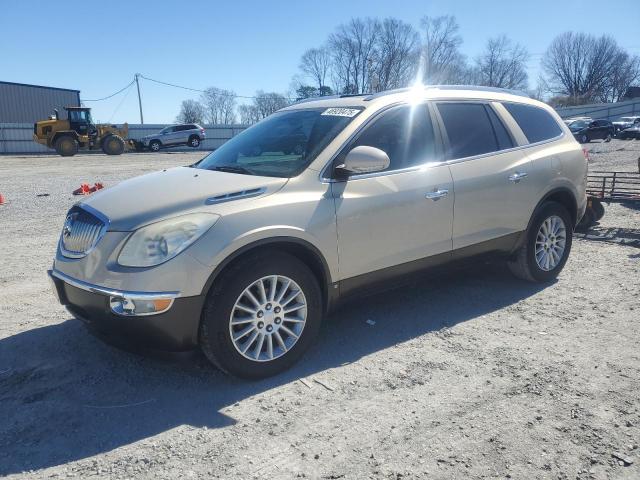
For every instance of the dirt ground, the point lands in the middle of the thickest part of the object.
(476, 375)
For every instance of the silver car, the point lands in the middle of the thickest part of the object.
(244, 253)
(190, 134)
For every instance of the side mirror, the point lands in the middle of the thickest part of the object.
(364, 159)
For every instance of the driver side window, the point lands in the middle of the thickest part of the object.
(404, 133)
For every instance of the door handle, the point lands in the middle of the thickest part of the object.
(437, 194)
(516, 177)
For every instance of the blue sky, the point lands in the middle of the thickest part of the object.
(245, 45)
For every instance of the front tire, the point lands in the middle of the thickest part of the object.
(113, 145)
(261, 315)
(155, 145)
(608, 138)
(546, 248)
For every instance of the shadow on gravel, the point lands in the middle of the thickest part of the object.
(66, 396)
(629, 237)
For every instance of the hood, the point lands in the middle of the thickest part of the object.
(152, 197)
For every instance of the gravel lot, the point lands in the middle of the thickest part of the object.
(472, 376)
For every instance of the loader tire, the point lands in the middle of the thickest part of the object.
(113, 145)
(67, 146)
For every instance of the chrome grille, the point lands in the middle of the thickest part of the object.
(81, 232)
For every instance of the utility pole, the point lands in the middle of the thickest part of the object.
(139, 99)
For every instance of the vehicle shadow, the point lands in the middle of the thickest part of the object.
(66, 395)
(629, 237)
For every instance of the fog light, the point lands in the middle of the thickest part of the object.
(139, 306)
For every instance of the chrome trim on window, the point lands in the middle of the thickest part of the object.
(112, 292)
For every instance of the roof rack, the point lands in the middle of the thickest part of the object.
(330, 97)
(478, 88)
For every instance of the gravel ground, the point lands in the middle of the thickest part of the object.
(472, 376)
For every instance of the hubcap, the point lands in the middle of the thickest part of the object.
(268, 318)
(550, 243)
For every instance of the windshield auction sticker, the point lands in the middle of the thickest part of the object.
(341, 112)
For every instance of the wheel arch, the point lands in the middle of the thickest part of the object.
(63, 133)
(306, 252)
(565, 197)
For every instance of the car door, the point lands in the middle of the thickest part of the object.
(492, 180)
(182, 134)
(596, 130)
(170, 136)
(404, 213)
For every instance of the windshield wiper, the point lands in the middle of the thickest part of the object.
(232, 169)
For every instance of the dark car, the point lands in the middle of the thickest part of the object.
(585, 130)
(630, 133)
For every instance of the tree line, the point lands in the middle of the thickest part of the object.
(371, 55)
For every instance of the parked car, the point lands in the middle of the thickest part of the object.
(630, 133)
(190, 134)
(244, 255)
(584, 130)
(626, 122)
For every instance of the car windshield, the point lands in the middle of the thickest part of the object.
(577, 125)
(281, 145)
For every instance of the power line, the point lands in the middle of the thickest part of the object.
(121, 102)
(109, 96)
(202, 91)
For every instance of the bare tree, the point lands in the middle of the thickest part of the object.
(248, 114)
(190, 112)
(353, 51)
(266, 103)
(316, 63)
(625, 73)
(503, 64)
(580, 65)
(395, 57)
(441, 60)
(219, 105)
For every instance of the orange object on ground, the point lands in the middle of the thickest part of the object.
(96, 186)
(1, 199)
(83, 190)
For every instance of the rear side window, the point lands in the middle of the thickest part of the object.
(471, 129)
(537, 124)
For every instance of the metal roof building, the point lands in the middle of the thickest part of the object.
(22, 103)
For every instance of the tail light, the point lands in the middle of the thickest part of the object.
(202, 131)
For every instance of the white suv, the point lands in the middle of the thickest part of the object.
(243, 253)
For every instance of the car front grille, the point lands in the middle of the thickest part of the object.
(81, 232)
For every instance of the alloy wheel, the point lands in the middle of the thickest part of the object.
(268, 318)
(551, 241)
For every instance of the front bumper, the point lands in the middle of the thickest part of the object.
(174, 330)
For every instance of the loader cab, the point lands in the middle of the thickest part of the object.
(80, 120)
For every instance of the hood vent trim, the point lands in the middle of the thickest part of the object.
(227, 197)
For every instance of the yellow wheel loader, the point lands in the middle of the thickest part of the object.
(79, 132)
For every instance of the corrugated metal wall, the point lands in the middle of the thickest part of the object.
(18, 137)
(29, 103)
(608, 111)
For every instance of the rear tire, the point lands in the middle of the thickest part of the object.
(264, 355)
(67, 146)
(194, 141)
(547, 245)
(113, 145)
(584, 138)
(608, 138)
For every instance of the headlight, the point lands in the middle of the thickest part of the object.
(159, 242)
